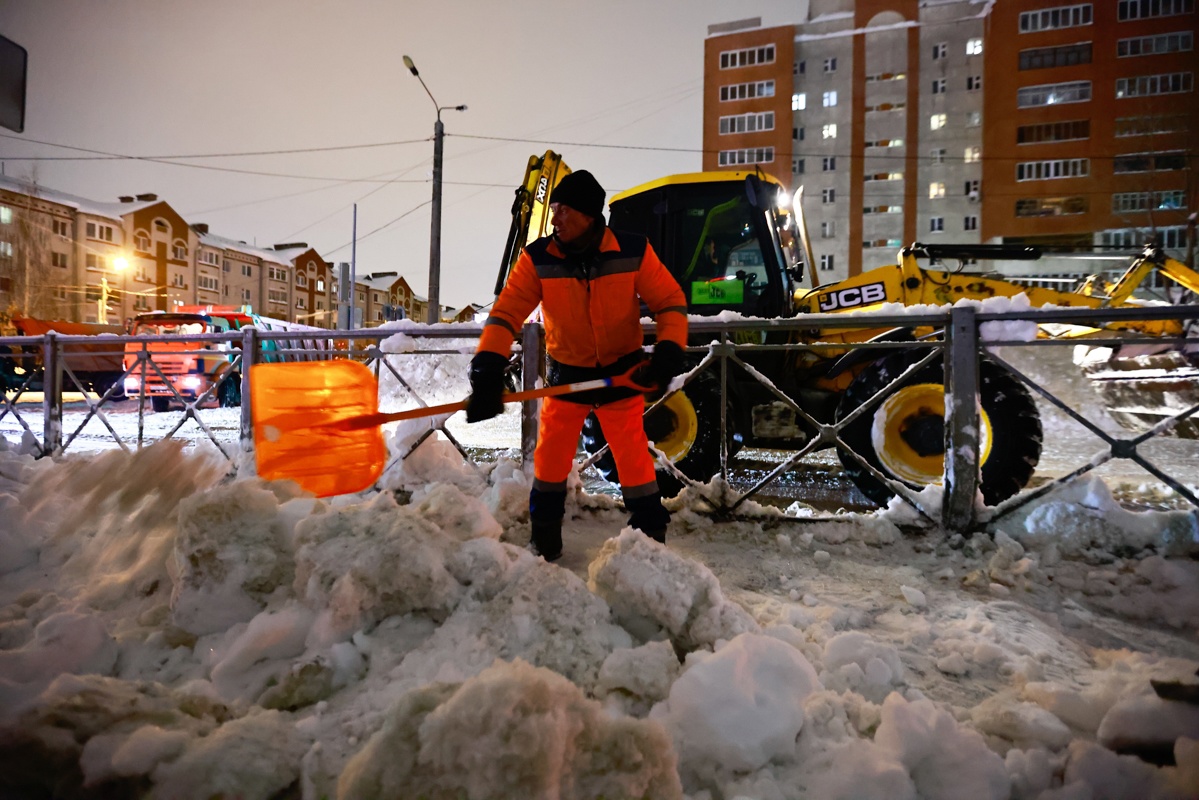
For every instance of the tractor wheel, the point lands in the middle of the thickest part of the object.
(229, 392)
(686, 428)
(903, 435)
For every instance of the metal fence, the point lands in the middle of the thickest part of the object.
(51, 364)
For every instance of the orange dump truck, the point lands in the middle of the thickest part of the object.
(96, 366)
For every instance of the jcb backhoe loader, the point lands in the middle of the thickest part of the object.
(732, 241)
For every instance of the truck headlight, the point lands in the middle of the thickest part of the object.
(190, 382)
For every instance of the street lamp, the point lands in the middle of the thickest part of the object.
(435, 231)
(119, 264)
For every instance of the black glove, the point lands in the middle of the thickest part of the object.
(486, 386)
(664, 365)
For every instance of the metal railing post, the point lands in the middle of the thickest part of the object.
(532, 343)
(961, 477)
(51, 396)
(249, 357)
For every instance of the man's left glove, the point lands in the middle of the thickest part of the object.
(486, 386)
(665, 364)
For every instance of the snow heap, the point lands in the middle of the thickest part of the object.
(169, 632)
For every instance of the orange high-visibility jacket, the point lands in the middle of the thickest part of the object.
(592, 319)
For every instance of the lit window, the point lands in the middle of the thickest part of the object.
(5, 215)
(972, 154)
(799, 101)
(936, 189)
(829, 131)
(937, 121)
(974, 47)
(830, 99)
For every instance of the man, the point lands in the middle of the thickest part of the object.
(590, 282)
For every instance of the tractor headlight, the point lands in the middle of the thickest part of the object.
(190, 382)
(132, 386)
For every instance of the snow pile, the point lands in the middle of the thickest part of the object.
(535, 734)
(1081, 519)
(739, 708)
(653, 591)
(1021, 330)
(168, 633)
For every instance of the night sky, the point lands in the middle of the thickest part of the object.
(614, 86)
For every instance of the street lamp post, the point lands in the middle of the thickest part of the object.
(434, 314)
(119, 264)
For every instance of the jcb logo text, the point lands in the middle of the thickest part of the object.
(853, 296)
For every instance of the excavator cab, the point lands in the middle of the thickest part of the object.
(729, 238)
(723, 235)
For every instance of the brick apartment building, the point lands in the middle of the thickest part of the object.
(964, 121)
(68, 257)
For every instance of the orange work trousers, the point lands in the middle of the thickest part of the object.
(558, 441)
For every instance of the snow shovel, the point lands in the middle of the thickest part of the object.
(317, 422)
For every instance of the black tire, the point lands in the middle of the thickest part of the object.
(117, 395)
(160, 404)
(229, 392)
(696, 406)
(1010, 423)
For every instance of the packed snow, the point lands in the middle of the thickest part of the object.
(172, 628)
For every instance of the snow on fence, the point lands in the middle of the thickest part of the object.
(437, 356)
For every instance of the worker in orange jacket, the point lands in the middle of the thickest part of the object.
(590, 282)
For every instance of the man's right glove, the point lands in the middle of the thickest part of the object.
(486, 386)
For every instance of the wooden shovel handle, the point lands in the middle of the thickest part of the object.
(370, 420)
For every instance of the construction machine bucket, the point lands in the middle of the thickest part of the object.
(295, 408)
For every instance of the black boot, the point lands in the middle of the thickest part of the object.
(647, 515)
(546, 510)
(547, 540)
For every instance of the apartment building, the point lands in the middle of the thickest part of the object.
(1094, 123)
(963, 121)
(67, 257)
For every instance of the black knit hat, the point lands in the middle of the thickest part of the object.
(580, 191)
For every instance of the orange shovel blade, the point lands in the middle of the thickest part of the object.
(294, 408)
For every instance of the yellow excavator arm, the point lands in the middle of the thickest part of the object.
(531, 208)
(1151, 260)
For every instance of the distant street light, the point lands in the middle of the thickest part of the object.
(120, 264)
(435, 231)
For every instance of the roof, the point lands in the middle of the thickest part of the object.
(113, 211)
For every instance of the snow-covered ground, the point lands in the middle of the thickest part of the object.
(169, 633)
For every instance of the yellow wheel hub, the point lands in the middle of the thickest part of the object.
(673, 426)
(908, 434)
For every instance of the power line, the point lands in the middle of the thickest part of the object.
(101, 155)
(417, 207)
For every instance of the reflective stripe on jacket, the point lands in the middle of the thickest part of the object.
(592, 310)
